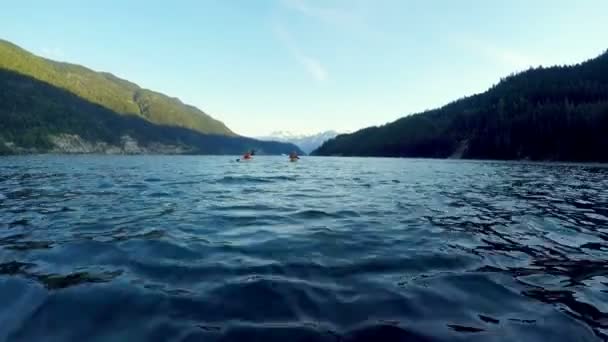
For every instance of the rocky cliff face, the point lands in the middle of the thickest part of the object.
(74, 144)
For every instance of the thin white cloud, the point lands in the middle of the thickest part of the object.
(330, 15)
(313, 66)
(52, 52)
(509, 57)
(351, 18)
(505, 56)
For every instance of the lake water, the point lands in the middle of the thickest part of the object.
(96, 248)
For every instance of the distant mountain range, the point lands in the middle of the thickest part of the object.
(307, 143)
(558, 113)
(48, 106)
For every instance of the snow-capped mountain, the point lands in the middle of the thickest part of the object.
(306, 143)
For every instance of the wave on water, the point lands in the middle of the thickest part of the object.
(251, 179)
(335, 249)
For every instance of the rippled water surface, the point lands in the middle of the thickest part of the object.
(207, 249)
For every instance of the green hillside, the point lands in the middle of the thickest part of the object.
(556, 113)
(36, 117)
(109, 91)
(47, 106)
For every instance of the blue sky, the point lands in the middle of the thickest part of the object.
(310, 65)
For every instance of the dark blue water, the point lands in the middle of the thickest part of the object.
(207, 249)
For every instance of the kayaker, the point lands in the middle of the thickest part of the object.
(293, 156)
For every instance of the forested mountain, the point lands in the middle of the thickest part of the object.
(556, 113)
(47, 106)
(107, 90)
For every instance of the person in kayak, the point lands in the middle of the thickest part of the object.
(248, 155)
(293, 156)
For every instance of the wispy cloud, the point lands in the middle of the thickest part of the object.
(509, 57)
(52, 52)
(351, 18)
(505, 56)
(312, 65)
(330, 15)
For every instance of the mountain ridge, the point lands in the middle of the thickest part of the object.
(38, 116)
(106, 89)
(307, 142)
(553, 113)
